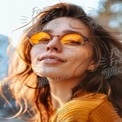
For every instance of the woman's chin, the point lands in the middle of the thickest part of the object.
(54, 76)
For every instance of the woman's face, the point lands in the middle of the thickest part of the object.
(61, 62)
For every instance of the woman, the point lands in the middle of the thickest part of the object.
(58, 70)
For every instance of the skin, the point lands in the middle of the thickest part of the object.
(62, 75)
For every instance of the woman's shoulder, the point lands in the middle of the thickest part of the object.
(88, 101)
(90, 107)
(80, 108)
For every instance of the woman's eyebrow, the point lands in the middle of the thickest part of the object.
(47, 30)
(72, 31)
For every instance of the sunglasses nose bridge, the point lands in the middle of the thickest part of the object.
(57, 36)
(54, 38)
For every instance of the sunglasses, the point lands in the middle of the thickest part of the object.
(69, 39)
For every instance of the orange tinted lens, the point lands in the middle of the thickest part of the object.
(40, 37)
(72, 39)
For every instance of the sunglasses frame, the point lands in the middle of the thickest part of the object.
(60, 37)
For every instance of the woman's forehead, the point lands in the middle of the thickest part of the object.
(64, 23)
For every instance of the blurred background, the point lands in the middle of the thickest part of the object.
(15, 14)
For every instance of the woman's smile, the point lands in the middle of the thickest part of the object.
(51, 59)
(57, 57)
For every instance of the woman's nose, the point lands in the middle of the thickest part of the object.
(54, 45)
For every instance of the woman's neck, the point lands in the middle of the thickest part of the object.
(61, 91)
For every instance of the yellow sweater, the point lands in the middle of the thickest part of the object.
(87, 109)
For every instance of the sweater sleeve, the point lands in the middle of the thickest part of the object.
(75, 111)
(104, 113)
(72, 116)
(94, 109)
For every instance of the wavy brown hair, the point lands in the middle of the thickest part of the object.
(26, 86)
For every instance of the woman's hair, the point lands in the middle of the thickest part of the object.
(26, 87)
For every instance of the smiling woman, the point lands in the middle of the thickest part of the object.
(55, 74)
(67, 41)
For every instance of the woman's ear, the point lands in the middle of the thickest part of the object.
(92, 66)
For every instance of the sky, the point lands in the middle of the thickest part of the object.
(16, 13)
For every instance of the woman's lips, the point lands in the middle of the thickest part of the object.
(51, 59)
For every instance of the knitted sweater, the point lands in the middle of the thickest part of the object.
(95, 108)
